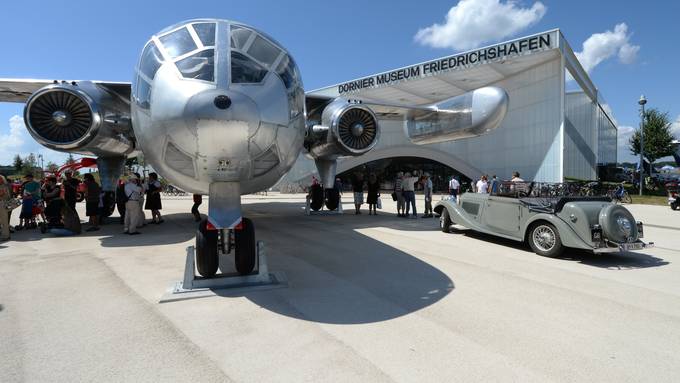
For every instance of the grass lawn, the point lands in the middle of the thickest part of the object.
(650, 199)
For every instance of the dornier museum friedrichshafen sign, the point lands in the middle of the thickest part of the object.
(500, 52)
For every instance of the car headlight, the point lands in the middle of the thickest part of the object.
(624, 225)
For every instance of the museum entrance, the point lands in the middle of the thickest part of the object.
(386, 170)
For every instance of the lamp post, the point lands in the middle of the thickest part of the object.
(642, 103)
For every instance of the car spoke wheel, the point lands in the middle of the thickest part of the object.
(445, 221)
(544, 240)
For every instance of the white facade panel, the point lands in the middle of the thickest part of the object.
(580, 137)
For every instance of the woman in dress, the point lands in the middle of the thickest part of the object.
(373, 193)
(153, 198)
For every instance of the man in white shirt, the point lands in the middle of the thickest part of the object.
(454, 188)
(133, 209)
(408, 189)
(515, 177)
(482, 186)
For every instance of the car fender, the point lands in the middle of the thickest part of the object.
(567, 234)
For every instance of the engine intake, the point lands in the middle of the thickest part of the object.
(71, 118)
(346, 129)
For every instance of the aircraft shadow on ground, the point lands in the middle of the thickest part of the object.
(613, 261)
(362, 280)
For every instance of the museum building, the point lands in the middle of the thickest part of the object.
(557, 127)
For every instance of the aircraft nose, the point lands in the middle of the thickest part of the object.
(223, 108)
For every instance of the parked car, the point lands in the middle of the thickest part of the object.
(547, 224)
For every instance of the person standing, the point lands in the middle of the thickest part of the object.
(373, 187)
(482, 185)
(516, 178)
(70, 189)
(121, 200)
(427, 191)
(399, 193)
(408, 189)
(5, 196)
(92, 199)
(454, 188)
(198, 200)
(143, 185)
(358, 190)
(133, 210)
(153, 198)
(494, 185)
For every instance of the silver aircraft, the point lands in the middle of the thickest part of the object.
(218, 108)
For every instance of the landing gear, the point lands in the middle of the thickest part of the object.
(211, 242)
(245, 248)
(332, 199)
(316, 197)
(207, 260)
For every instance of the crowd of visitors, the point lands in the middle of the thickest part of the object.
(405, 185)
(51, 205)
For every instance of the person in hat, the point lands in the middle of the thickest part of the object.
(133, 209)
(427, 191)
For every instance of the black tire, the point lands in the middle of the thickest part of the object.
(544, 239)
(332, 199)
(674, 205)
(43, 227)
(317, 197)
(445, 221)
(207, 260)
(245, 249)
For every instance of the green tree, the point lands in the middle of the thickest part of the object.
(52, 167)
(657, 136)
(18, 163)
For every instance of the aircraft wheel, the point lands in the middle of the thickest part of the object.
(207, 260)
(674, 205)
(245, 249)
(316, 202)
(445, 221)
(332, 199)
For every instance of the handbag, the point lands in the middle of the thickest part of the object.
(379, 203)
(394, 196)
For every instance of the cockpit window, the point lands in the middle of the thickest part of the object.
(143, 94)
(151, 60)
(286, 70)
(239, 36)
(178, 42)
(206, 32)
(245, 70)
(199, 66)
(263, 51)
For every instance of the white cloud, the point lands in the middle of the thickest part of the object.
(601, 46)
(675, 128)
(17, 141)
(473, 22)
(623, 146)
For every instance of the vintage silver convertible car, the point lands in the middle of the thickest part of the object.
(548, 224)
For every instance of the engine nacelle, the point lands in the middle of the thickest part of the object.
(346, 129)
(80, 118)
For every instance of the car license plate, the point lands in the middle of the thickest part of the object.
(631, 246)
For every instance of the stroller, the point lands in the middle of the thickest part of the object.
(31, 211)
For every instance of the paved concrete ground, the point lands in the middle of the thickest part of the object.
(369, 299)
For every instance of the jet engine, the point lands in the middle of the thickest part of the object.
(344, 129)
(81, 118)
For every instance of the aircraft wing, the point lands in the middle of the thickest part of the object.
(19, 89)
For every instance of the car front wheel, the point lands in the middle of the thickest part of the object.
(445, 221)
(544, 240)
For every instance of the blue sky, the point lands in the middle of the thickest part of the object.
(337, 41)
